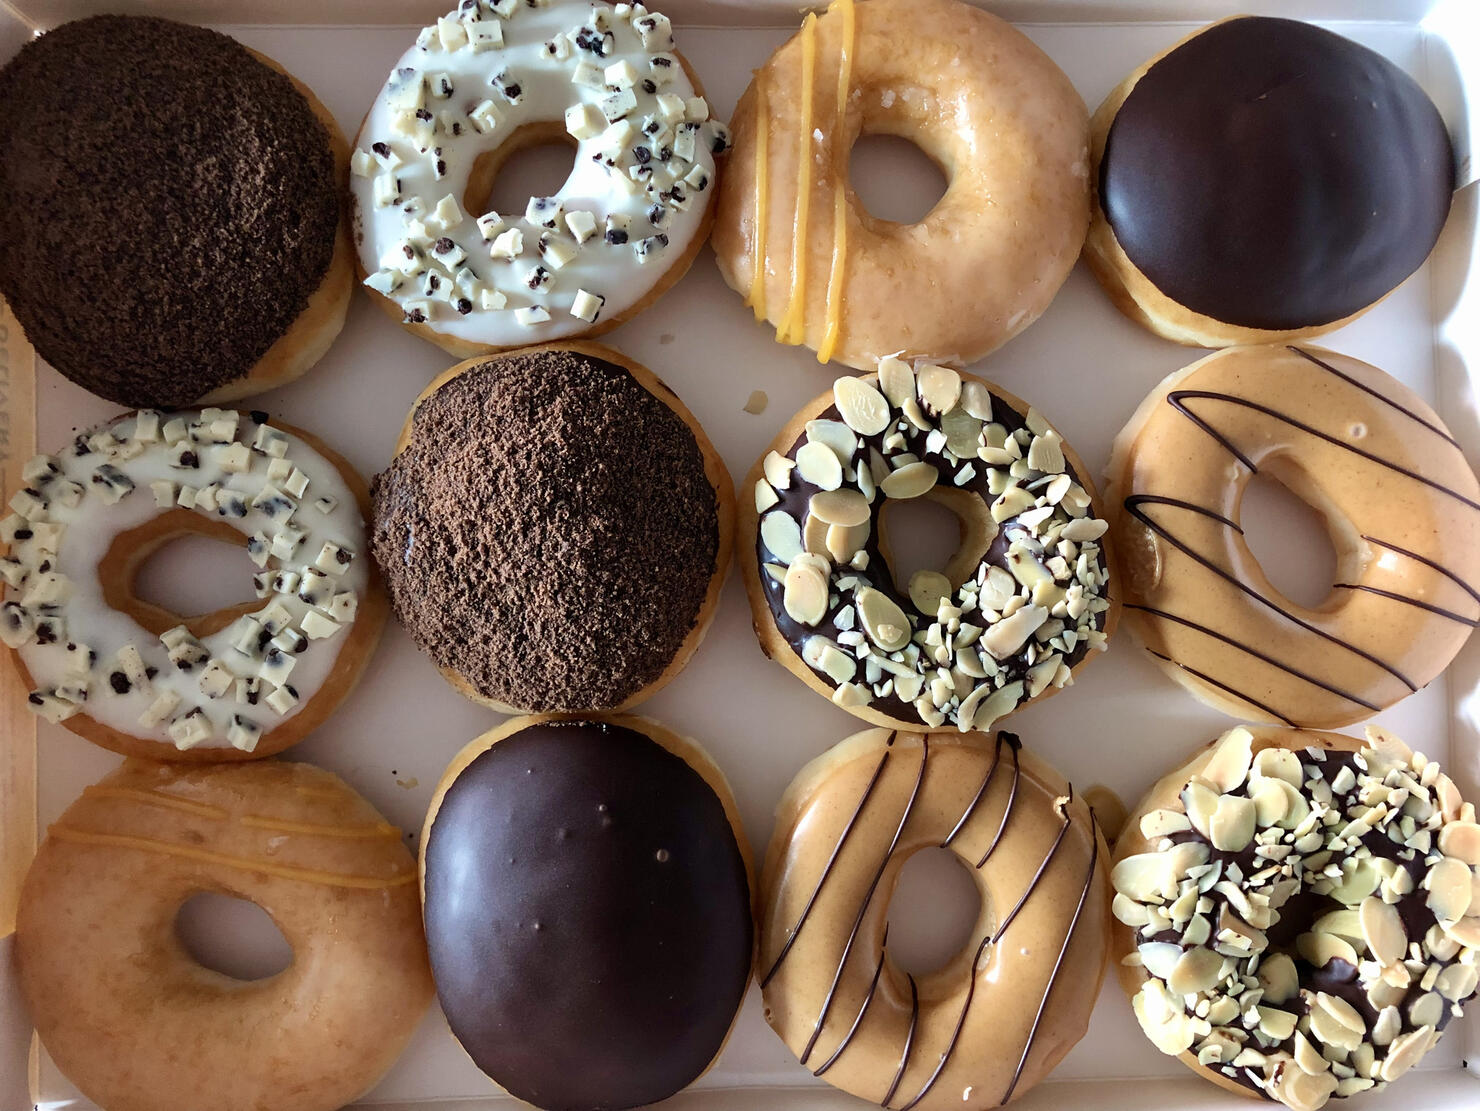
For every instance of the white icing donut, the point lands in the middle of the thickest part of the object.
(630, 209)
(304, 529)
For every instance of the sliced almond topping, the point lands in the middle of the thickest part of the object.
(848, 508)
(825, 656)
(765, 495)
(1201, 803)
(1232, 824)
(1342, 1011)
(814, 535)
(1278, 1025)
(1196, 970)
(778, 469)
(805, 594)
(963, 433)
(1163, 823)
(1160, 959)
(1270, 802)
(1279, 763)
(1141, 876)
(836, 435)
(1382, 930)
(940, 388)
(1129, 911)
(1085, 528)
(1229, 764)
(1388, 1026)
(843, 542)
(883, 621)
(1307, 1058)
(1461, 840)
(1279, 979)
(1426, 1010)
(1343, 923)
(927, 588)
(1457, 982)
(1466, 931)
(781, 535)
(910, 481)
(1007, 637)
(1404, 1053)
(818, 464)
(897, 381)
(980, 713)
(861, 406)
(1322, 949)
(1448, 885)
(1300, 1090)
(976, 399)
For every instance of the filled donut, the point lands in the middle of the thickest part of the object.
(1025, 601)
(993, 1021)
(239, 682)
(554, 529)
(496, 76)
(1262, 181)
(1001, 121)
(1399, 500)
(171, 229)
(137, 1024)
(1298, 912)
(587, 901)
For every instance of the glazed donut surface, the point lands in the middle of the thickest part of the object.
(1296, 912)
(999, 1016)
(137, 1024)
(1001, 120)
(1399, 499)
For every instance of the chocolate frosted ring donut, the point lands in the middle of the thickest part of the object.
(1000, 1015)
(1399, 499)
(1299, 912)
(1026, 600)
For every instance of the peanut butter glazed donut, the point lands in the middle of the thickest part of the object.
(1299, 912)
(1262, 181)
(1002, 122)
(554, 529)
(1023, 603)
(493, 77)
(1399, 499)
(587, 894)
(137, 1024)
(171, 229)
(242, 681)
(997, 1018)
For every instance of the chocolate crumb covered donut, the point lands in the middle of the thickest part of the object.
(1264, 180)
(587, 901)
(171, 223)
(554, 529)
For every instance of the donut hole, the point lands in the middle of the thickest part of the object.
(534, 161)
(1290, 536)
(232, 936)
(182, 567)
(894, 179)
(942, 531)
(935, 913)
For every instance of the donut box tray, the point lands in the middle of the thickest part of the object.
(1083, 364)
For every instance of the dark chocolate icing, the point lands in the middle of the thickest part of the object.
(168, 204)
(1270, 174)
(588, 916)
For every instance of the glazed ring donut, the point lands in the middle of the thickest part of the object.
(1002, 122)
(137, 1024)
(999, 1016)
(491, 78)
(1025, 601)
(587, 886)
(1296, 912)
(244, 681)
(108, 214)
(1263, 181)
(1399, 499)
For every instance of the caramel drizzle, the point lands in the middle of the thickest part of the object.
(909, 1042)
(863, 1008)
(757, 297)
(167, 801)
(834, 322)
(246, 864)
(156, 798)
(791, 324)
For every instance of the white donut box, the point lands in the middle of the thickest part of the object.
(1083, 364)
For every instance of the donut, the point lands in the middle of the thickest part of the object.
(994, 1020)
(130, 1017)
(1292, 912)
(1399, 500)
(494, 77)
(1263, 181)
(554, 529)
(243, 681)
(586, 887)
(1001, 121)
(171, 225)
(1026, 600)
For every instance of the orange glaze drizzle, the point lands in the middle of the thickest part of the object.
(757, 298)
(205, 856)
(157, 798)
(792, 329)
(315, 829)
(834, 322)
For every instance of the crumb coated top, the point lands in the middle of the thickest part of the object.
(549, 532)
(167, 205)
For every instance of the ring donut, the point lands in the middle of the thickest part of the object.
(137, 1024)
(1000, 1015)
(1399, 500)
(1296, 912)
(1025, 601)
(491, 78)
(243, 681)
(1002, 122)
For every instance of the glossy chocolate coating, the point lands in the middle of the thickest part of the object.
(588, 916)
(1270, 174)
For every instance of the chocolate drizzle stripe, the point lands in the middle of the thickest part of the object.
(1058, 964)
(827, 870)
(1133, 507)
(1178, 503)
(956, 1033)
(1166, 615)
(1206, 678)
(1179, 398)
(868, 897)
(1437, 430)
(1017, 778)
(1038, 875)
(909, 1042)
(981, 792)
(858, 1019)
(1407, 601)
(1429, 563)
